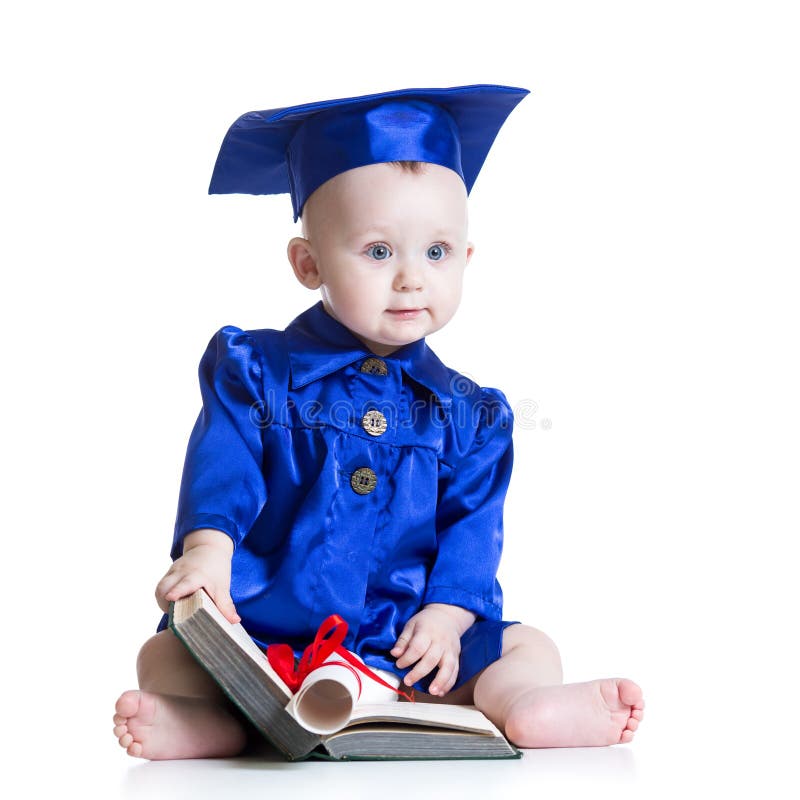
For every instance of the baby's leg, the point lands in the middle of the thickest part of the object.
(523, 694)
(179, 711)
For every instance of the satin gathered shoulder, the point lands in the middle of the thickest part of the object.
(271, 460)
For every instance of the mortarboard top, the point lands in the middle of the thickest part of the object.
(297, 148)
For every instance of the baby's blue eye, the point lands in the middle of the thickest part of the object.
(436, 252)
(380, 252)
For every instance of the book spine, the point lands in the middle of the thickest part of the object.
(247, 686)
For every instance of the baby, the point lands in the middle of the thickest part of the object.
(338, 466)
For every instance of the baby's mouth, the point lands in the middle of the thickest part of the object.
(405, 313)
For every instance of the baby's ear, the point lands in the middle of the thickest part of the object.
(470, 251)
(304, 265)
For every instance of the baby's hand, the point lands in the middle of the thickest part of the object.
(206, 563)
(431, 638)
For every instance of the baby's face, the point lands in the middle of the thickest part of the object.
(390, 248)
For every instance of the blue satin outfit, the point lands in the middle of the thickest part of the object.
(269, 463)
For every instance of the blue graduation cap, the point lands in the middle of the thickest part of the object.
(296, 149)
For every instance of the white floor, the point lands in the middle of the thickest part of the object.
(611, 769)
(692, 767)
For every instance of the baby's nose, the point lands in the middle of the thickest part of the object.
(409, 276)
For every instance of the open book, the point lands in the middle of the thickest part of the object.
(393, 730)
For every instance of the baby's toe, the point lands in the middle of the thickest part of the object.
(637, 713)
(128, 704)
(632, 724)
(627, 736)
(135, 750)
(120, 730)
(125, 740)
(630, 693)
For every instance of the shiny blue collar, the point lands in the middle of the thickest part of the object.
(320, 345)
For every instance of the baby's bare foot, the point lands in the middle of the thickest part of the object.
(589, 714)
(158, 726)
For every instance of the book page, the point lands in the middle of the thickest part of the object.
(440, 715)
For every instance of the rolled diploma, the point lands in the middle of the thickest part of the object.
(324, 702)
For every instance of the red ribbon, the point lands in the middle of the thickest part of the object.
(281, 657)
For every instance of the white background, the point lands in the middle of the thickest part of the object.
(634, 285)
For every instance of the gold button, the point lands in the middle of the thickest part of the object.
(374, 366)
(363, 480)
(374, 423)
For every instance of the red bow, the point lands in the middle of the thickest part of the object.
(281, 657)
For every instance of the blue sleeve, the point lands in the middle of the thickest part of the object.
(223, 484)
(470, 515)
